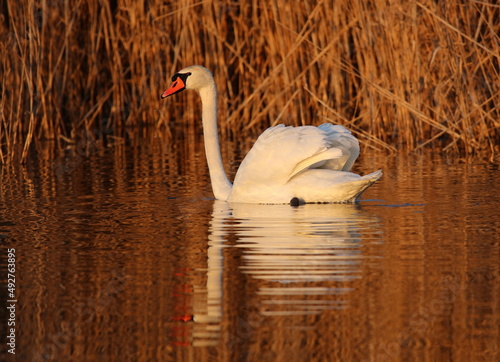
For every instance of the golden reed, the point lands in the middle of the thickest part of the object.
(401, 74)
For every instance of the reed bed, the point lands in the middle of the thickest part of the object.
(401, 74)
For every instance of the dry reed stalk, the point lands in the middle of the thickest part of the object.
(401, 74)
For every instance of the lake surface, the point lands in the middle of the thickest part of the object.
(123, 255)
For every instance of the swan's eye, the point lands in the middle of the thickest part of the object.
(183, 76)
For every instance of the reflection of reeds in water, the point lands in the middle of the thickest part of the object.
(101, 246)
(400, 74)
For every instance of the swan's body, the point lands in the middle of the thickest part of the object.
(307, 164)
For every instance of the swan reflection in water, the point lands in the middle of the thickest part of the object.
(301, 259)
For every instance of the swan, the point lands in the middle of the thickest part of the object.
(295, 165)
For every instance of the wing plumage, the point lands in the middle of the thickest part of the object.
(340, 137)
(283, 152)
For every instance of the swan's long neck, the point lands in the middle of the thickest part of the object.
(221, 185)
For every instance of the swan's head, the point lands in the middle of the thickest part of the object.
(193, 77)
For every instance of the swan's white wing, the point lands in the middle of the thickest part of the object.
(319, 160)
(340, 137)
(281, 153)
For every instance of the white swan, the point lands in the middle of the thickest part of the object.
(293, 165)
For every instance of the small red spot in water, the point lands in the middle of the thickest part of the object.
(183, 318)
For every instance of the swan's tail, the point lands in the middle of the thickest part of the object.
(372, 177)
(365, 182)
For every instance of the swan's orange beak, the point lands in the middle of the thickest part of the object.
(177, 86)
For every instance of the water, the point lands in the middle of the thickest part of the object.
(122, 254)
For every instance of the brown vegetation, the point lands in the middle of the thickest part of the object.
(401, 74)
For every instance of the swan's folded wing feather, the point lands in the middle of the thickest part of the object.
(318, 160)
(340, 137)
(282, 152)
